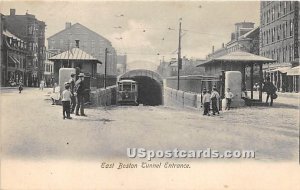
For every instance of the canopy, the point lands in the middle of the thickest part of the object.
(294, 71)
(74, 54)
(282, 69)
(239, 56)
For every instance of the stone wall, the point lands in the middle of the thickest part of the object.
(104, 97)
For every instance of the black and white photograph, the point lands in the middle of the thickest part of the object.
(149, 94)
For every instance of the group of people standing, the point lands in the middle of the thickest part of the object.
(213, 99)
(73, 96)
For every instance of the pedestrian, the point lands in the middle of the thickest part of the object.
(228, 95)
(66, 101)
(270, 89)
(79, 92)
(214, 101)
(206, 102)
(42, 84)
(72, 86)
(20, 86)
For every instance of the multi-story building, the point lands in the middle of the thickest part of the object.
(32, 32)
(90, 42)
(13, 59)
(279, 40)
(121, 64)
(245, 38)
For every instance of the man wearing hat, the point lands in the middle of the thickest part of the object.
(72, 88)
(79, 90)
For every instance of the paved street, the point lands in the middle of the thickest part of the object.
(33, 128)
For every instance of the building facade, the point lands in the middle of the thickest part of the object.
(13, 63)
(32, 32)
(244, 38)
(279, 40)
(90, 42)
(49, 68)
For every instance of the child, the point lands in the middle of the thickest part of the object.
(20, 86)
(228, 96)
(66, 101)
(206, 101)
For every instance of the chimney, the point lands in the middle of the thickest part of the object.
(213, 49)
(223, 45)
(12, 12)
(68, 25)
(77, 43)
(232, 36)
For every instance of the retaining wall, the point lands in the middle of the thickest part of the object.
(104, 97)
(178, 98)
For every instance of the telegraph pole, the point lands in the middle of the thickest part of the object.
(179, 55)
(105, 69)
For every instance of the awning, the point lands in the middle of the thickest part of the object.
(14, 60)
(239, 57)
(281, 69)
(293, 71)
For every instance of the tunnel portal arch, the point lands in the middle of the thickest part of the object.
(150, 86)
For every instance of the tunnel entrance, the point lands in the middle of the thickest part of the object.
(149, 91)
(150, 86)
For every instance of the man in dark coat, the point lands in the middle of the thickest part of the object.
(72, 90)
(270, 89)
(79, 91)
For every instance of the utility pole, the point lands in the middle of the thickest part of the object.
(105, 67)
(179, 61)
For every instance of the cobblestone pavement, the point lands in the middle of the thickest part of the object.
(32, 128)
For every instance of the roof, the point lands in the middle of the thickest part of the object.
(250, 32)
(74, 54)
(74, 25)
(127, 80)
(239, 56)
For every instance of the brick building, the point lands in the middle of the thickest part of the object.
(90, 42)
(279, 40)
(32, 31)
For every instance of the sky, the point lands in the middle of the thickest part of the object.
(146, 30)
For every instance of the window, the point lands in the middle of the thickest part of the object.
(291, 27)
(279, 10)
(284, 32)
(284, 8)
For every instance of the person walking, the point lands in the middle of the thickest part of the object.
(206, 102)
(228, 95)
(72, 88)
(66, 101)
(214, 101)
(270, 89)
(20, 86)
(79, 92)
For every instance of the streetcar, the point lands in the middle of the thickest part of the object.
(127, 93)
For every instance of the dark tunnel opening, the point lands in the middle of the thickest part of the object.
(149, 91)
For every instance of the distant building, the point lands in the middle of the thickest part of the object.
(168, 69)
(90, 42)
(49, 68)
(279, 40)
(245, 38)
(121, 64)
(32, 31)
